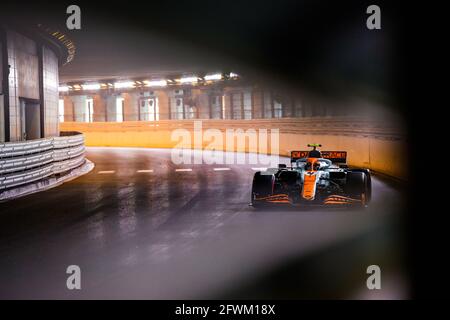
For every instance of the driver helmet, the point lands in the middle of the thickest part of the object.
(314, 154)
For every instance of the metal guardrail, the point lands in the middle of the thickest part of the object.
(29, 161)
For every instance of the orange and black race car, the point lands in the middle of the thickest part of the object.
(314, 178)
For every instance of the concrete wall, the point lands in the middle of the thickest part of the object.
(13, 80)
(51, 96)
(369, 144)
(23, 80)
(2, 117)
(2, 125)
(26, 64)
(1, 71)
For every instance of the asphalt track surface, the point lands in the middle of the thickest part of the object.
(139, 227)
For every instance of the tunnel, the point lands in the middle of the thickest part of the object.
(130, 152)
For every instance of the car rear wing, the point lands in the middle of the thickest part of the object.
(333, 156)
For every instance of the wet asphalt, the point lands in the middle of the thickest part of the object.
(138, 227)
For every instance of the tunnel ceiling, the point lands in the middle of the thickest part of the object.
(312, 43)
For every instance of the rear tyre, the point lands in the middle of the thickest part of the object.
(359, 186)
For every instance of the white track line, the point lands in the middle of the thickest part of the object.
(222, 169)
(145, 171)
(106, 172)
(183, 170)
(259, 169)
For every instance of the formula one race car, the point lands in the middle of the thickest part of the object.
(314, 178)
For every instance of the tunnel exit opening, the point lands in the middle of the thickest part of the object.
(119, 109)
(149, 109)
(89, 110)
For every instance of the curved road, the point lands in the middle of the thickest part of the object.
(139, 227)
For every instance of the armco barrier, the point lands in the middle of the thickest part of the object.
(29, 161)
(377, 145)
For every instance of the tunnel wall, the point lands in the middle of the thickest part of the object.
(50, 80)
(370, 144)
(32, 77)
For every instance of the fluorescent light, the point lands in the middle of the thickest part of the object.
(91, 86)
(188, 80)
(233, 75)
(216, 76)
(63, 88)
(156, 83)
(125, 84)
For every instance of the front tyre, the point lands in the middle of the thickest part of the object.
(262, 186)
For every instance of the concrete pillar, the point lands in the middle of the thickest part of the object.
(214, 99)
(68, 108)
(201, 100)
(257, 104)
(267, 104)
(299, 108)
(292, 105)
(99, 108)
(287, 107)
(163, 102)
(79, 108)
(111, 109)
(49, 93)
(228, 112)
(131, 105)
(204, 106)
(307, 109)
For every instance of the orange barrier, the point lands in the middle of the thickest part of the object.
(369, 144)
